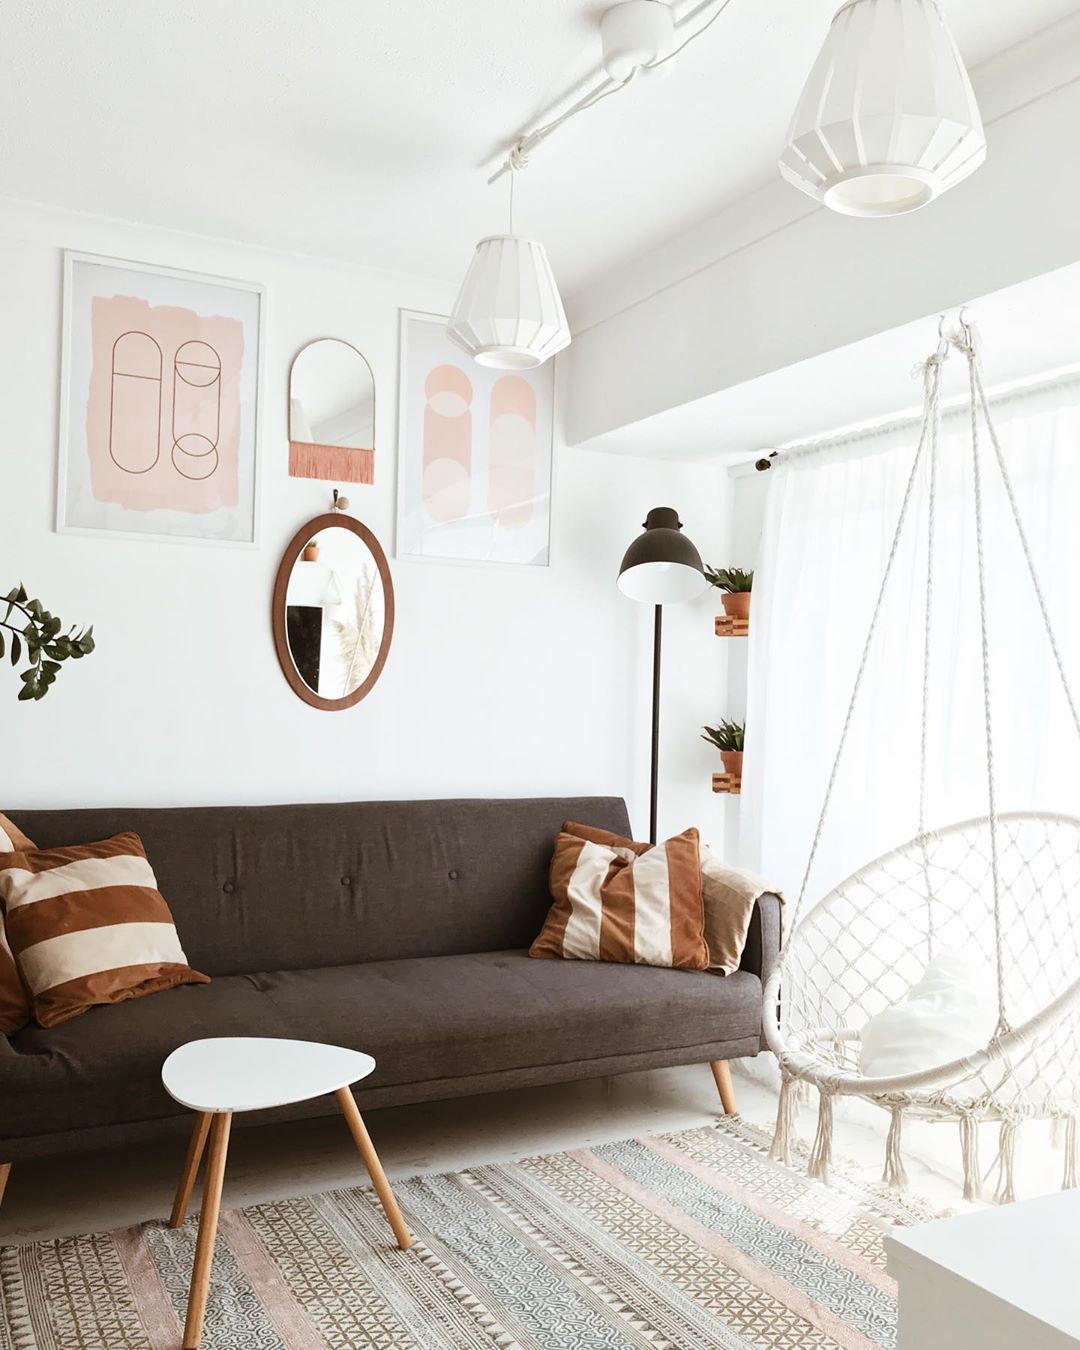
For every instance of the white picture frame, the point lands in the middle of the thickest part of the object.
(479, 493)
(115, 478)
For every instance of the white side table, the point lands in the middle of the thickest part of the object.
(997, 1279)
(239, 1073)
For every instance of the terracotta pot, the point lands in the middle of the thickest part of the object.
(732, 762)
(311, 553)
(737, 604)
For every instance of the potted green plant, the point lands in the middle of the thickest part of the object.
(728, 739)
(311, 552)
(33, 634)
(736, 585)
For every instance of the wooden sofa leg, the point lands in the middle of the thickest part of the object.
(721, 1071)
(5, 1172)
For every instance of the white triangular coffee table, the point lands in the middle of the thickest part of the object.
(221, 1076)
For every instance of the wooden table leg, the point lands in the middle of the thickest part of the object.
(208, 1221)
(721, 1071)
(374, 1167)
(5, 1172)
(191, 1168)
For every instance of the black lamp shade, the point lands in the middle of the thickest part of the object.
(662, 566)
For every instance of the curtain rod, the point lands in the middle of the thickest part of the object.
(1062, 377)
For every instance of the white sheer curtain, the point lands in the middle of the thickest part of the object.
(830, 517)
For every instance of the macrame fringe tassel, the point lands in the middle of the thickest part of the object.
(895, 1174)
(787, 1113)
(802, 1092)
(969, 1151)
(1071, 1178)
(1005, 1193)
(821, 1153)
(1058, 1126)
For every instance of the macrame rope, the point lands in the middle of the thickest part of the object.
(1071, 1177)
(969, 1150)
(878, 606)
(966, 345)
(895, 1173)
(1005, 1193)
(821, 1153)
(932, 401)
(786, 1120)
(1026, 547)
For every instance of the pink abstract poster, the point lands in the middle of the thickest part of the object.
(160, 403)
(474, 476)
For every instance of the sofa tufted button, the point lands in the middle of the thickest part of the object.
(453, 874)
(346, 881)
(228, 888)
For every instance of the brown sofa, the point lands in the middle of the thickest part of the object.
(398, 928)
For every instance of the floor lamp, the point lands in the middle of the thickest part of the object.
(661, 567)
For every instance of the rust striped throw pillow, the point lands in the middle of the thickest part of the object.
(617, 900)
(87, 925)
(14, 1003)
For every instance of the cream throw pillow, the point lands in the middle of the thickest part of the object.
(729, 897)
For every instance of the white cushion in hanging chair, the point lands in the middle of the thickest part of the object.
(949, 1013)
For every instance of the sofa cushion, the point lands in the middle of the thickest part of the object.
(14, 1000)
(295, 887)
(617, 900)
(422, 1020)
(87, 925)
(461, 1015)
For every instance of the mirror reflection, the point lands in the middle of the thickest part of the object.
(335, 612)
(332, 397)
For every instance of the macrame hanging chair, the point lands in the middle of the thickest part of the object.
(1005, 889)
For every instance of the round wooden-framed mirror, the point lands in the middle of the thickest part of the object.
(333, 611)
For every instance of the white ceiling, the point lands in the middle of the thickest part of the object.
(363, 129)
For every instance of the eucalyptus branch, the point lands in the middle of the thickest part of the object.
(42, 643)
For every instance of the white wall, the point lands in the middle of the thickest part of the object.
(500, 681)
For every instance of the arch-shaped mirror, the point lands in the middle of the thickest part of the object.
(332, 413)
(333, 611)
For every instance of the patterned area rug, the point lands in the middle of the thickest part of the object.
(685, 1241)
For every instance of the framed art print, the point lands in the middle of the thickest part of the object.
(159, 406)
(474, 453)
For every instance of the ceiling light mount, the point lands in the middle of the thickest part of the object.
(636, 35)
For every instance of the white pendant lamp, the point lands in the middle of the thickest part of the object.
(888, 119)
(509, 314)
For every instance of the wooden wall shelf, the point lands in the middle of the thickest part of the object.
(726, 782)
(728, 627)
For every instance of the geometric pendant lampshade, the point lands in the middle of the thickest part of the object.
(508, 313)
(888, 119)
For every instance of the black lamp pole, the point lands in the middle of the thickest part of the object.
(654, 782)
(660, 566)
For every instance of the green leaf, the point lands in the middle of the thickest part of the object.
(26, 693)
(1, 646)
(16, 649)
(51, 666)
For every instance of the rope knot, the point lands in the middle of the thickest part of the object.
(518, 157)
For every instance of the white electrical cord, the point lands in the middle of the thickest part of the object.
(519, 154)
